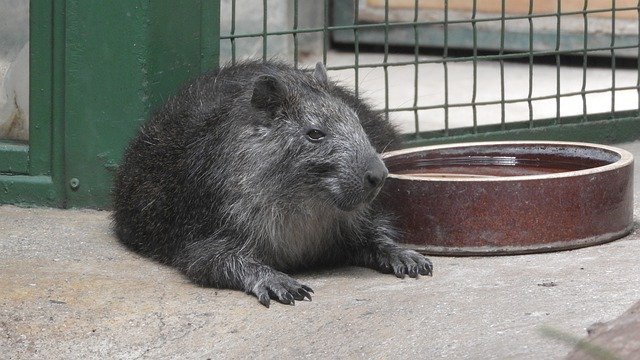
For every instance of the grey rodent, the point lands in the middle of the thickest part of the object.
(257, 169)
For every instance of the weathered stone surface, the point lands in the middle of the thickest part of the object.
(619, 339)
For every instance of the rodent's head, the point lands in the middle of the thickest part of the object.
(315, 141)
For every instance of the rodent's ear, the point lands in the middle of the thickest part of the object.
(268, 94)
(320, 73)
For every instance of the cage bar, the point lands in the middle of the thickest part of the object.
(530, 59)
(613, 57)
(589, 47)
(265, 34)
(585, 33)
(416, 67)
(295, 34)
(501, 60)
(557, 51)
(386, 59)
(356, 49)
(474, 62)
(445, 55)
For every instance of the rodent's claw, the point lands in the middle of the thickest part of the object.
(406, 262)
(412, 270)
(399, 270)
(298, 295)
(282, 288)
(426, 268)
(264, 299)
(424, 265)
(283, 296)
(302, 293)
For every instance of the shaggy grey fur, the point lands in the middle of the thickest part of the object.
(255, 170)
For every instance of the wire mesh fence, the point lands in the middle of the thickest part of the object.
(440, 68)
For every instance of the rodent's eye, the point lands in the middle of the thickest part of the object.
(315, 135)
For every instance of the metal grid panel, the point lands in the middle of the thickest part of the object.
(474, 26)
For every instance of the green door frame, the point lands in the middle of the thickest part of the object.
(97, 70)
(30, 174)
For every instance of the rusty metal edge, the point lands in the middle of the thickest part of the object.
(521, 250)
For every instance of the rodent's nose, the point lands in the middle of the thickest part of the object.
(375, 175)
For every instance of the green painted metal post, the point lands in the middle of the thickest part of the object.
(123, 59)
(31, 174)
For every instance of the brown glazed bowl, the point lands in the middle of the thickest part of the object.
(498, 198)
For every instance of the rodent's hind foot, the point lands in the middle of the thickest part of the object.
(405, 262)
(280, 287)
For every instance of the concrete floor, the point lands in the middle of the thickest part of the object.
(69, 290)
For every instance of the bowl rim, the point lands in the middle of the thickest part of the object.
(626, 158)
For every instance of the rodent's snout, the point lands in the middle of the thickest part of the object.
(375, 175)
(358, 189)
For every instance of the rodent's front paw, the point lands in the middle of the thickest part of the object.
(280, 287)
(405, 262)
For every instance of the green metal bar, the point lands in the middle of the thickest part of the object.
(325, 32)
(613, 57)
(501, 61)
(558, 22)
(209, 35)
(29, 190)
(416, 66)
(511, 55)
(600, 131)
(33, 166)
(294, 34)
(356, 47)
(386, 57)
(232, 36)
(43, 28)
(57, 98)
(585, 34)
(474, 27)
(15, 158)
(264, 30)
(505, 56)
(530, 92)
(424, 23)
(512, 101)
(445, 56)
(41, 160)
